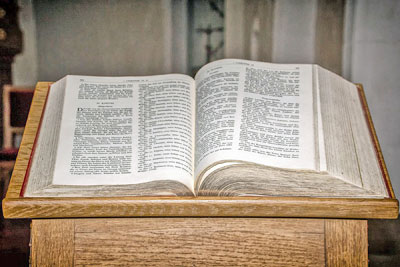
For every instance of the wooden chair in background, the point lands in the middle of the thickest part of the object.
(16, 104)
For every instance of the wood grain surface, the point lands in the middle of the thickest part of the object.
(52, 242)
(199, 242)
(15, 206)
(346, 242)
(186, 242)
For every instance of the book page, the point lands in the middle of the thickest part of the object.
(255, 112)
(126, 130)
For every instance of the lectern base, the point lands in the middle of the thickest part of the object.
(199, 242)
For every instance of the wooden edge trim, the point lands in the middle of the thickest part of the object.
(375, 141)
(304, 207)
(17, 178)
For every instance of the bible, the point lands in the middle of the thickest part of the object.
(239, 128)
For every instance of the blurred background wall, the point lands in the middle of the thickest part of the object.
(359, 40)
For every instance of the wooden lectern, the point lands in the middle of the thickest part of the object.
(188, 231)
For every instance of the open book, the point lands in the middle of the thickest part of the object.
(239, 128)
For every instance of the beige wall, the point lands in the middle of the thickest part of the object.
(103, 37)
(294, 31)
